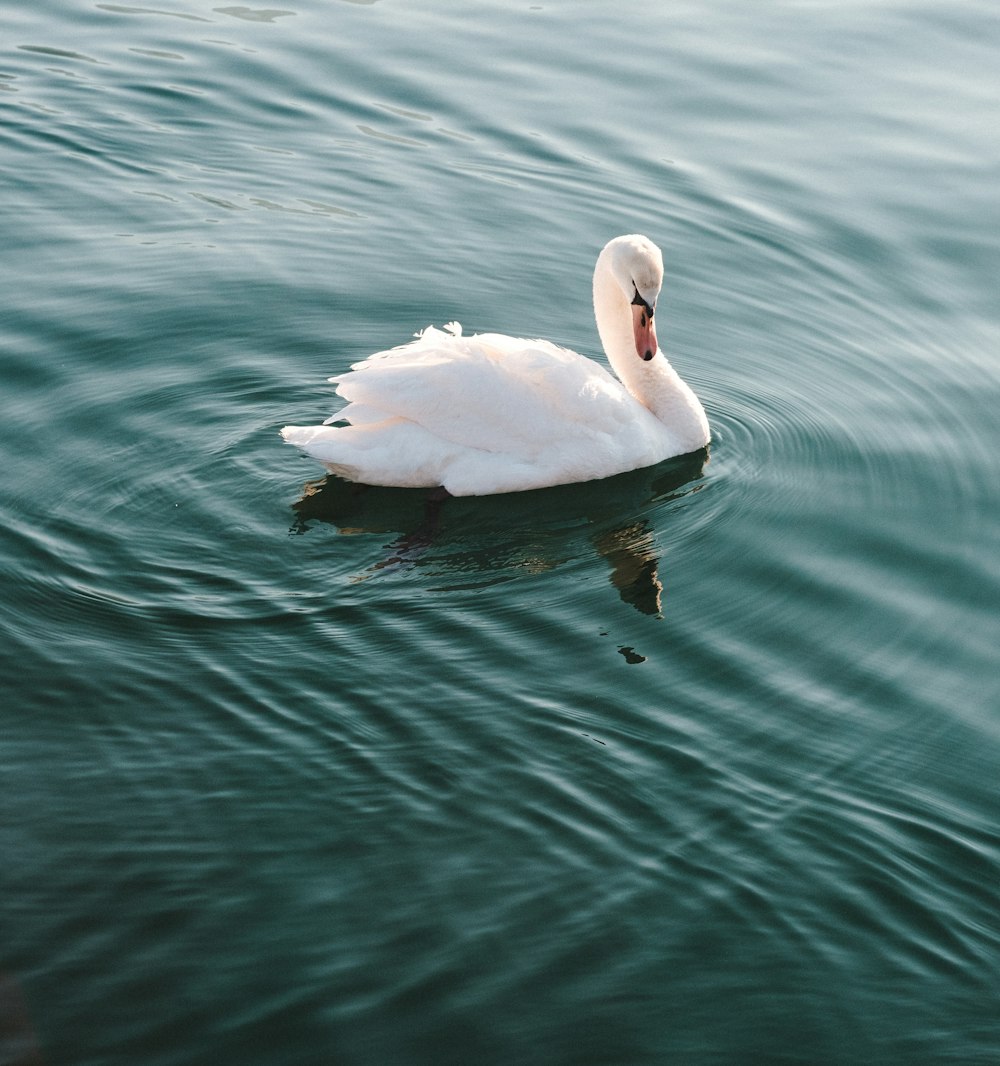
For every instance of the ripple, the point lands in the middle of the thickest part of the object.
(59, 53)
(128, 9)
(254, 14)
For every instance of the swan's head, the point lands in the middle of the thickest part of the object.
(636, 265)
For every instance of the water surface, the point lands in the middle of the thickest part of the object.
(694, 765)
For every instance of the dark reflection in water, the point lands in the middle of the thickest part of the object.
(631, 551)
(493, 538)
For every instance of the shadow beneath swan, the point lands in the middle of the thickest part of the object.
(488, 539)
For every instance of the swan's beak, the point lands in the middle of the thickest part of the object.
(642, 327)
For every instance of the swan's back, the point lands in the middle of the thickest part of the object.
(485, 391)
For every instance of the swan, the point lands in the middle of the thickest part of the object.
(484, 414)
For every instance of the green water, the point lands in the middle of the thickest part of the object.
(695, 765)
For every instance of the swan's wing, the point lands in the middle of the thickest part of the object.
(487, 391)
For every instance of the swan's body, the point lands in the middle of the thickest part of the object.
(489, 413)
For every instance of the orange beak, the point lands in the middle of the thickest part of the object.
(642, 327)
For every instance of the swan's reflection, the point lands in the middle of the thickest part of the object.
(631, 551)
(495, 537)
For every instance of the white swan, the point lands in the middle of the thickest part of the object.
(489, 413)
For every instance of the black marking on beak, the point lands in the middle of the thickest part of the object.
(640, 302)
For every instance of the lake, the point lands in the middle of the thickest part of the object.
(693, 765)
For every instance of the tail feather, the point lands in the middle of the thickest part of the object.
(302, 436)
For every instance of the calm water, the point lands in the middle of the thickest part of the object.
(696, 765)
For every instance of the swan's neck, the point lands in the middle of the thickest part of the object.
(654, 383)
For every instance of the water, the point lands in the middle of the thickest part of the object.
(697, 765)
